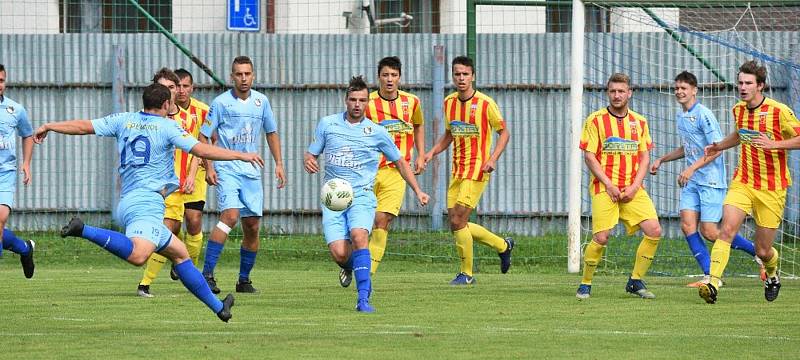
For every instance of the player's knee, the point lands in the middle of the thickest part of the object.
(654, 231)
(709, 233)
(138, 259)
(601, 238)
(764, 253)
(688, 228)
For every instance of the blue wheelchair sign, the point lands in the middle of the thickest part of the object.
(244, 15)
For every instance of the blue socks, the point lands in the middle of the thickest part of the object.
(247, 259)
(361, 263)
(112, 241)
(740, 243)
(698, 248)
(194, 281)
(213, 249)
(13, 243)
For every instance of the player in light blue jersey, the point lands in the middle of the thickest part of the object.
(351, 145)
(146, 143)
(14, 122)
(704, 181)
(238, 117)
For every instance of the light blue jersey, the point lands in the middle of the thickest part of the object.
(239, 125)
(352, 151)
(698, 128)
(13, 122)
(146, 144)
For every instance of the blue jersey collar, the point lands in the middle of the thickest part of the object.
(344, 118)
(693, 106)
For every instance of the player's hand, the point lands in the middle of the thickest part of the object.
(310, 164)
(254, 159)
(655, 166)
(280, 174)
(26, 174)
(488, 166)
(427, 157)
(40, 134)
(614, 193)
(684, 177)
(628, 193)
(423, 198)
(188, 185)
(419, 165)
(711, 150)
(211, 176)
(763, 142)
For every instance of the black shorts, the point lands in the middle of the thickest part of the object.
(195, 205)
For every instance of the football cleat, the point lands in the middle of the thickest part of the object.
(771, 288)
(225, 313)
(696, 284)
(505, 256)
(462, 279)
(345, 277)
(212, 283)
(708, 292)
(173, 274)
(364, 306)
(245, 286)
(584, 292)
(27, 260)
(638, 288)
(74, 228)
(144, 291)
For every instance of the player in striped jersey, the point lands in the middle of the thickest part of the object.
(704, 181)
(470, 118)
(761, 178)
(188, 201)
(400, 113)
(616, 147)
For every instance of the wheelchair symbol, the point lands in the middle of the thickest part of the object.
(249, 20)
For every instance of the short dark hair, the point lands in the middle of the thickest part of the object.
(2, 67)
(357, 83)
(239, 60)
(154, 96)
(619, 78)
(754, 68)
(183, 73)
(687, 77)
(463, 60)
(166, 73)
(393, 62)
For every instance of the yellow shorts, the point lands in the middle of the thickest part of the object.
(200, 188)
(465, 192)
(606, 214)
(173, 206)
(390, 189)
(766, 206)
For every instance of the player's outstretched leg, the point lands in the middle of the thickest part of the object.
(194, 281)
(112, 241)
(24, 248)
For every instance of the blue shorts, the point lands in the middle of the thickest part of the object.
(8, 187)
(141, 213)
(703, 199)
(360, 215)
(240, 192)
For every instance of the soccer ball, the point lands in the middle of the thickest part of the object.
(336, 194)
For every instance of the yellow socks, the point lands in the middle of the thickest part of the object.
(464, 247)
(377, 246)
(771, 265)
(154, 265)
(644, 257)
(591, 258)
(720, 254)
(486, 237)
(194, 243)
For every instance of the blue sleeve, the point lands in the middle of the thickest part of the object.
(179, 137)
(711, 127)
(268, 118)
(24, 128)
(388, 147)
(212, 119)
(318, 145)
(109, 125)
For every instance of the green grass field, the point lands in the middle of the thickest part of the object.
(84, 306)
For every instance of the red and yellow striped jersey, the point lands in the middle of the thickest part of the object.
(398, 116)
(190, 120)
(760, 169)
(616, 143)
(470, 123)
